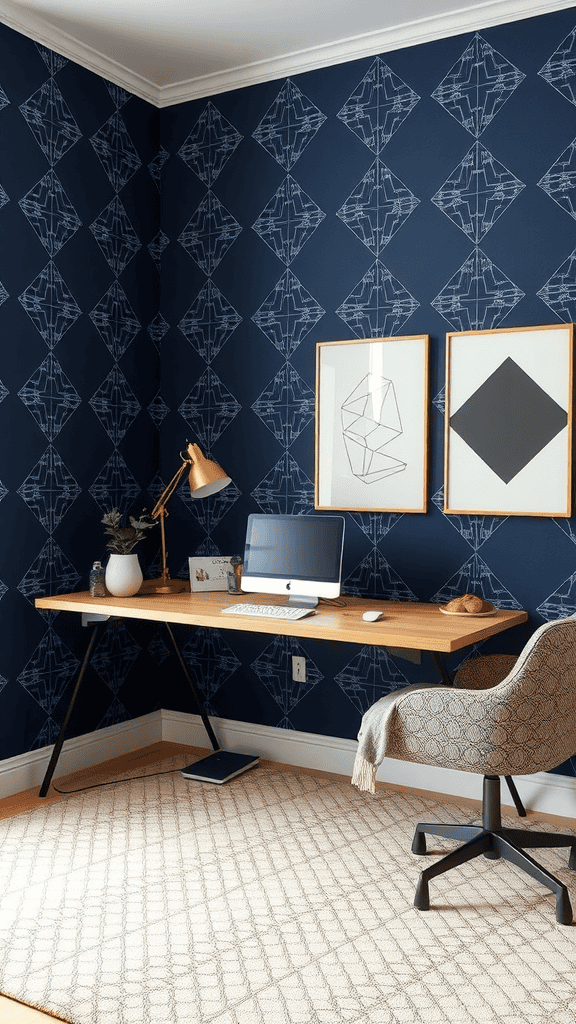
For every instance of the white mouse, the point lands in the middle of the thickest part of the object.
(372, 616)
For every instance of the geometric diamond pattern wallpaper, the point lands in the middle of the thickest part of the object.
(477, 86)
(166, 275)
(78, 367)
(477, 193)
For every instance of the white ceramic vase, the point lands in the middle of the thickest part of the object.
(123, 575)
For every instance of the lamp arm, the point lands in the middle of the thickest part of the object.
(205, 477)
(169, 490)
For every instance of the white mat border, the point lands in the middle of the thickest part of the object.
(543, 792)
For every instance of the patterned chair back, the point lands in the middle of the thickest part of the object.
(526, 723)
(538, 700)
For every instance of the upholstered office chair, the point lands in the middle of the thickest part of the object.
(524, 724)
(481, 674)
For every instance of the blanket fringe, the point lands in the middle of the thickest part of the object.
(364, 774)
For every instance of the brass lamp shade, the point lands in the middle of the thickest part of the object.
(205, 477)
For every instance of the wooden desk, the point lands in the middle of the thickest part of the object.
(414, 626)
(411, 627)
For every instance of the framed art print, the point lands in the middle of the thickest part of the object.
(372, 424)
(508, 429)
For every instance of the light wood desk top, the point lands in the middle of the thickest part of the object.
(409, 625)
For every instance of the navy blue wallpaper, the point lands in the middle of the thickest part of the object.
(79, 367)
(167, 275)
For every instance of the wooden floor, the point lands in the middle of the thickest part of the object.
(12, 1012)
(143, 758)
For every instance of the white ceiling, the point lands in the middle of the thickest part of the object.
(169, 51)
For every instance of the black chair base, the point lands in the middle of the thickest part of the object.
(516, 797)
(495, 842)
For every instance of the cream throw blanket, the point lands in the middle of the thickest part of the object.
(373, 736)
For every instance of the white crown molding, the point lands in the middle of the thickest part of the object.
(41, 31)
(470, 18)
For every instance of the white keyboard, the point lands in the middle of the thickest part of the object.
(268, 611)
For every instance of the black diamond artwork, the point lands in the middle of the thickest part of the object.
(508, 420)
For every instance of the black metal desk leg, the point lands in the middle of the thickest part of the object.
(197, 697)
(443, 671)
(61, 735)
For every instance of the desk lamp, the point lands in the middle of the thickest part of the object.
(204, 478)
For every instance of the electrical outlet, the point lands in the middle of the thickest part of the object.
(298, 669)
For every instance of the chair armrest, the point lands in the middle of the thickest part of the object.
(451, 728)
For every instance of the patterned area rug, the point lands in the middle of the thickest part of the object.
(278, 898)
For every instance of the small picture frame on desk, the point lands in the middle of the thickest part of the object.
(208, 572)
(508, 426)
(372, 424)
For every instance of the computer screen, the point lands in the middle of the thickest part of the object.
(300, 556)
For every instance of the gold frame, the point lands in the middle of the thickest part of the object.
(420, 434)
(449, 460)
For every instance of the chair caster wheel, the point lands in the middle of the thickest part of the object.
(419, 843)
(563, 907)
(422, 896)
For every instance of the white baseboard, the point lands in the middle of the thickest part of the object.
(25, 771)
(543, 792)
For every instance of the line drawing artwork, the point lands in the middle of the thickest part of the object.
(370, 421)
(372, 424)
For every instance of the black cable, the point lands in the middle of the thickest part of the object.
(114, 782)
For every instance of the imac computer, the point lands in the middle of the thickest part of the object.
(300, 556)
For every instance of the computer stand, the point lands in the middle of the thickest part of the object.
(218, 767)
